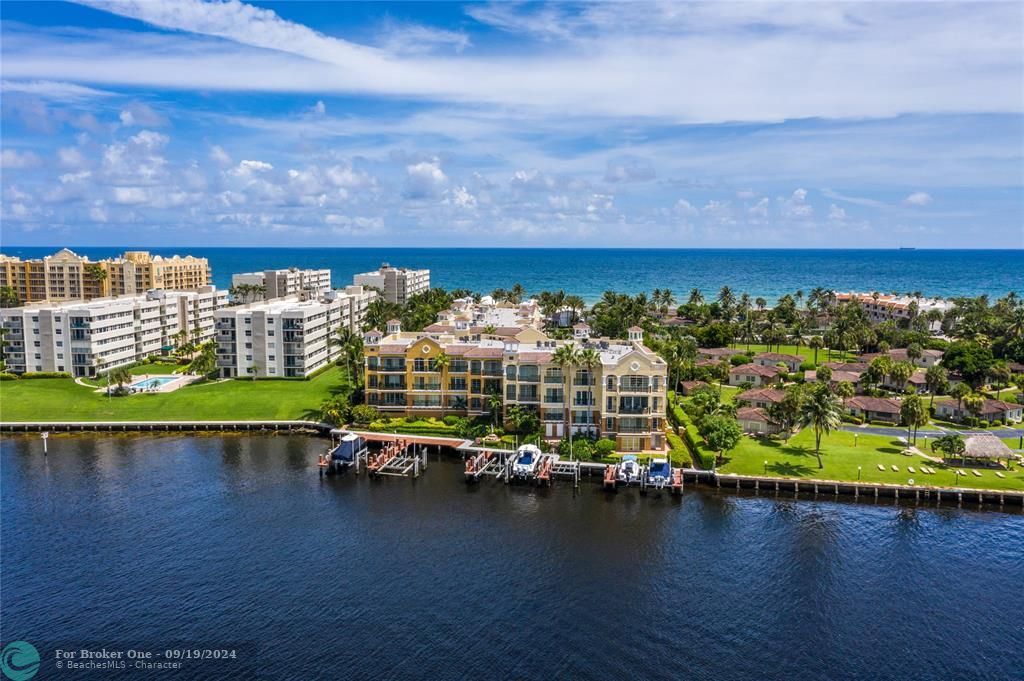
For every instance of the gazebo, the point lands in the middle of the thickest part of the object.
(987, 447)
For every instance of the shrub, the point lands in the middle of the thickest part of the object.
(997, 422)
(364, 413)
(889, 424)
(856, 420)
(807, 366)
(7, 376)
(46, 374)
(451, 420)
(739, 360)
(678, 451)
(604, 447)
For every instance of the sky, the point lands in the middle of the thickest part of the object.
(726, 124)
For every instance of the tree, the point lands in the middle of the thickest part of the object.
(9, 297)
(205, 362)
(364, 414)
(119, 376)
(786, 412)
(974, 403)
(815, 343)
(951, 446)
(566, 357)
(494, 405)
(900, 373)
(845, 390)
(970, 359)
(960, 391)
(720, 432)
(936, 379)
(913, 414)
(1000, 374)
(335, 411)
(824, 374)
(351, 345)
(823, 413)
(914, 352)
(97, 273)
(589, 359)
(441, 362)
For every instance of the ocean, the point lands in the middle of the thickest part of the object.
(235, 542)
(590, 272)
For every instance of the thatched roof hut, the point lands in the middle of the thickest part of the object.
(986, 446)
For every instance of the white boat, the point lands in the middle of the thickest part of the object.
(659, 473)
(630, 470)
(525, 461)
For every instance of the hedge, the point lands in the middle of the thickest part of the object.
(856, 420)
(46, 374)
(416, 428)
(7, 376)
(678, 451)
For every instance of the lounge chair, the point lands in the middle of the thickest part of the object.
(881, 468)
(895, 468)
(960, 472)
(910, 469)
(999, 475)
(976, 473)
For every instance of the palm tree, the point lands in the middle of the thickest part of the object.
(960, 391)
(99, 274)
(974, 403)
(936, 378)
(822, 412)
(567, 357)
(913, 414)
(576, 304)
(205, 362)
(441, 362)
(494, 404)
(118, 376)
(844, 391)
(516, 293)
(815, 343)
(589, 359)
(696, 297)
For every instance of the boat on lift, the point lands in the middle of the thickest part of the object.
(659, 473)
(630, 470)
(525, 461)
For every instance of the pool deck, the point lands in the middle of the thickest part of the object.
(177, 381)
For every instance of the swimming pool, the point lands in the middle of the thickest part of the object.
(154, 382)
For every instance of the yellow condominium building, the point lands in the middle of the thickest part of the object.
(65, 275)
(621, 396)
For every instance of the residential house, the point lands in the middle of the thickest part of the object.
(770, 359)
(756, 420)
(761, 397)
(1007, 412)
(874, 408)
(756, 374)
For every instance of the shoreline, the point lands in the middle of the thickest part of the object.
(986, 499)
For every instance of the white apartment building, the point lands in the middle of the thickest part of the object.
(286, 282)
(88, 338)
(287, 337)
(398, 284)
(880, 307)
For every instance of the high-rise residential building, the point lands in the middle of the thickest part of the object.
(65, 275)
(287, 337)
(881, 307)
(621, 397)
(86, 338)
(397, 284)
(284, 282)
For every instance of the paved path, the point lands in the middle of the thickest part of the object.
(902, 432)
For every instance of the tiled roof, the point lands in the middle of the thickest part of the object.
(756, 369)
(752, 414)
(882, 405)
(768, 394)
(485, 353)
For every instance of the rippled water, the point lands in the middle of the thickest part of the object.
(228, 539)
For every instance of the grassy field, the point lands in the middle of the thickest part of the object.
(841, 459)
(148, 368)
(61, 399)
(803, 351)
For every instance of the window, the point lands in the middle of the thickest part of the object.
(248, 346)
(248, 358)
(37, 343)
(60, 344)
(272, 358)
(609, 424)
(60, 355)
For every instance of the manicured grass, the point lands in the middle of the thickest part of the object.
(61, 399)
(1012, 442)
(142, 369)
(803, 351)
(841, 458)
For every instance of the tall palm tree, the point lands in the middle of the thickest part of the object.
(441, 362)
(119, 376)
(822, 412)
(815, 343)
(567, 357)
(205, 362)
(494, 404)
(589, 359)
(696, 297)
(576, 304)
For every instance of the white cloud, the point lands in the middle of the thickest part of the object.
(461, 198)
(12, 158)
(71, 157)
(53, 90)
(919, 199)
(424, 179)
(248, 168)
(796, 206)
(759, 211)
(836, 214)
(129, 195)
(629, 170)
(219, 156)
(141, 115)
(685, 208)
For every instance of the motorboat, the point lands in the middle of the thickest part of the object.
(659, 473)
(630, 470)
(525, 461)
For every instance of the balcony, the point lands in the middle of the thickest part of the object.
(629, 409)
(557, 380)
(391, 368)
(634, 388)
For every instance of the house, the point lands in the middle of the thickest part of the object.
(874, 408)
(838, 377)
(717, 354)
(761, 397)
(755, 374)
(1007, 412)
(689, 387)
(756, 420)
(770, 359)
(917, 382)
(928, 357)
(858, 367)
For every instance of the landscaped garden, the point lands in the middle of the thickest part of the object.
(61, 399)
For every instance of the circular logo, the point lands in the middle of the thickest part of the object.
(20, 661)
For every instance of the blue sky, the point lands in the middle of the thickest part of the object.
(178, 122)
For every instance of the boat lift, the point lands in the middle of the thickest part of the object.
(348, 450)
(399, 458)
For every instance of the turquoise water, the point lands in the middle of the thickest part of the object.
(154, 382)
(589, 272)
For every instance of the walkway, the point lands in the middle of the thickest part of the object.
(902, 432)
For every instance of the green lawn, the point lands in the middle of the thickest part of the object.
(841, 459)
(147, 368)
(1012, 442)
(803, 351)
(61, 399)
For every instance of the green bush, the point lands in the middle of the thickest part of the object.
(678, 451)
(739, 360)
(604, 447)
(997, 422)
(451, 420)
(856, 420)
(46, 374)
(807, 366)
(7, 376)
(888, 424)
(364, 413)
